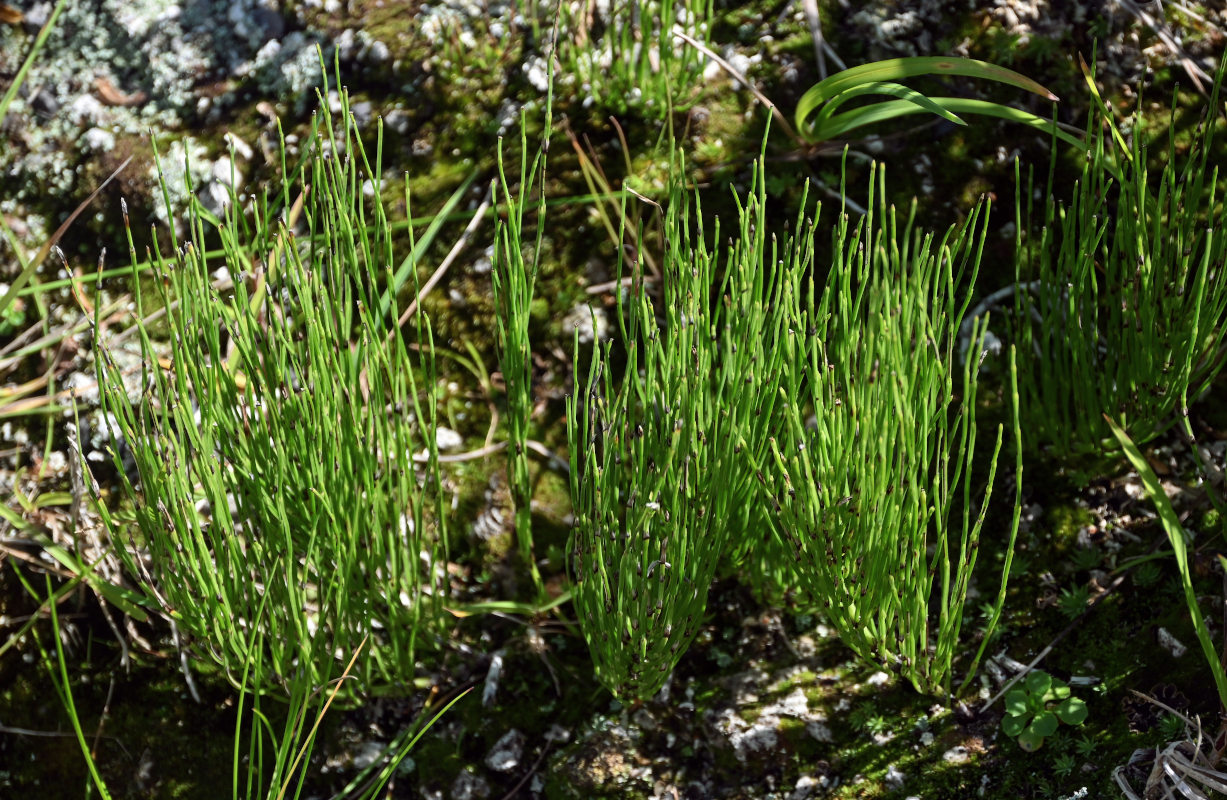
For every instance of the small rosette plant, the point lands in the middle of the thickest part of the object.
(1033, 712)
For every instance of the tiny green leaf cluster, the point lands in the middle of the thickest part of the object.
(1033, 712)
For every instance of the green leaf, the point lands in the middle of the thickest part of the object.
(878, 78)
(1072, 711)
(1045, 724)
(1014, 725)
(824, 123)
(1038, 682)
(1030, 741)
(1016, 702)
(893, 69)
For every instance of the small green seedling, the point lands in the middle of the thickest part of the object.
(1033, 712)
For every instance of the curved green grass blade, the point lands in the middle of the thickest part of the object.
(126, 600)
(421, 244)
(1175, 534)
(894, 90)
(890, 70)
(894, 69)
(840, 124)
(1089, 76)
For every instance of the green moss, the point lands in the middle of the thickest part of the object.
(1064, 522)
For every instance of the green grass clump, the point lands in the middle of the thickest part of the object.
(628, 60)
(513, 281)
(275, 436)
(872, 476)
(856, 415)
(1120, 303)
(657, 476)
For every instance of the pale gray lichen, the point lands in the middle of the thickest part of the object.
(762, 736)
(122, 68)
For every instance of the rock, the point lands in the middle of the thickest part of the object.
(819, 731)
(368, 753)
(557, 734)
(448, 439)
(397, 121)
(215, 197)
(35, 17)
(507, 752)
(805, 787)
(763, 735)
(468, 786)
(363, 112)
(536, 72)
(604, 756)
(270, 23)
(1171, 644)
(45, 103)
(376, 53)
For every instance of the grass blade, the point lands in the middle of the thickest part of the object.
(1175, 535)
(879, 77)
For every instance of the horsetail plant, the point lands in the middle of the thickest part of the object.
(656, 482)
(513, 282)
(1120, 303)
(871, 475)
(275, 439)
(625, 57)
(759, 277)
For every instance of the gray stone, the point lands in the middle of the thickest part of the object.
(363, 112)
(507, 752)
(45, 103)
(468, 786)
(271, 23)
(35, 17)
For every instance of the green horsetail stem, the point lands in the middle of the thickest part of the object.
(871, 473)
(1120, 307)
(514, 279)
(657, 481)
(275, 435)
